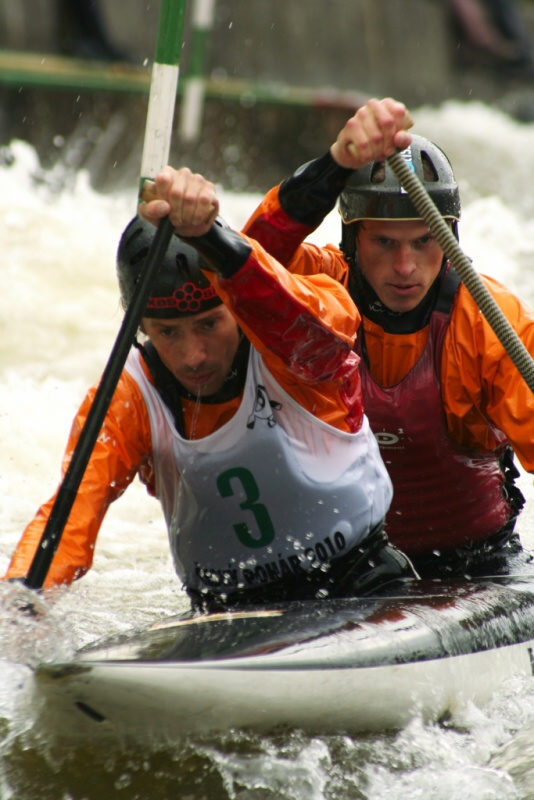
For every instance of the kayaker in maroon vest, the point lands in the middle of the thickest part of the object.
(444, 400)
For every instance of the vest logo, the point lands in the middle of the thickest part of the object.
(391, 440)
(263, 408)
(385, 439)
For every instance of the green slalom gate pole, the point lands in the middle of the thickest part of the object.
(158, 133)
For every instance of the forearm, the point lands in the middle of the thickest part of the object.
(113, 464)
(74, 555)
(312, 191)
(483, 390)
(293, 210)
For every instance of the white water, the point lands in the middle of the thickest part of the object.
(59, 316)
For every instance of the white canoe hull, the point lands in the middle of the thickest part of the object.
(334, 667)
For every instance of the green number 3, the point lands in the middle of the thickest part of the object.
(252, 494)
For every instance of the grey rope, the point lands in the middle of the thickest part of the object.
(473, 283)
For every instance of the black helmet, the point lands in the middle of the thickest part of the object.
(374, 192)
(180, 288)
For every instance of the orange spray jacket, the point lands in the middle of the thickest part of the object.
(483, 400)
(303, 328)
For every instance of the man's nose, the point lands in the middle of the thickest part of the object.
(404, 262)
(194, 352)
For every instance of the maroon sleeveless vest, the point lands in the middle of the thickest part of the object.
(445, 496)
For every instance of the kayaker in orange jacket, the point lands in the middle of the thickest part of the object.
(445, 401)
(241, 411)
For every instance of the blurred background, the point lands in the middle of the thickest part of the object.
(279, 77)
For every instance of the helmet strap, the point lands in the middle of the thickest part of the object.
(348, 241)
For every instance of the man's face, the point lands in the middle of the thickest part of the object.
(399, 259)
(198, 350)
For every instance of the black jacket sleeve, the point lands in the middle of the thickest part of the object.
(312, 191)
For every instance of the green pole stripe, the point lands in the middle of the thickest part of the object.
(199, 58)
(170, 32)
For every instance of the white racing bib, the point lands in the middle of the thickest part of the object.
(273, 492)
